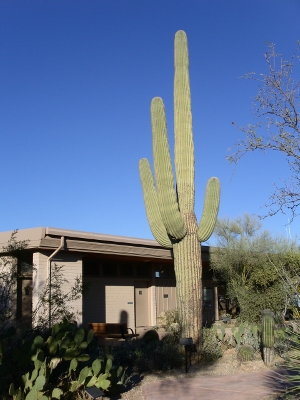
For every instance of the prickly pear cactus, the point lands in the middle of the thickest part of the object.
(268, 337)
(63, 350)
(170, 210)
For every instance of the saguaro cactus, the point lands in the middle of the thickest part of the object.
(268, 337)
(170, 211)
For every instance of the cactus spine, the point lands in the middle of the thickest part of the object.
(170, 212)
(268, 336)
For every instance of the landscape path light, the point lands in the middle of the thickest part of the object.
(188, 345)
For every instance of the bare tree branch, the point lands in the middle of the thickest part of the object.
(277, 110)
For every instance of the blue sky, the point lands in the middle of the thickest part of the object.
(77, 79)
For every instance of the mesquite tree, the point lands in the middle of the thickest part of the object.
(170, 211)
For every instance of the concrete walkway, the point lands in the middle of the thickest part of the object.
(244, 386)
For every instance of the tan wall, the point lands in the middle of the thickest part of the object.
(107, 298)
(72, 268)
(120, 303)
(166, 288)
(39, 277)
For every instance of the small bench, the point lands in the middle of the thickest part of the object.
(112, 330)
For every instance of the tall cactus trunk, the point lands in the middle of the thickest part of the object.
(170, 212)
(188, 271)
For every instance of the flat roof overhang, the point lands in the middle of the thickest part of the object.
(89, 242)
(78, 241)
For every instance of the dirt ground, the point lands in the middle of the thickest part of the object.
(227, 365)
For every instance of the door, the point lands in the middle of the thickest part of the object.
(141, 292)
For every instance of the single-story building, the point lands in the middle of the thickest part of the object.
(129, 280)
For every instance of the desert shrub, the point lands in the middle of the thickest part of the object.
(150, 336)
(211, 345)
(281, 344)
(292, 357)
(168, 355)
(141, 355)
(169, 320)
(252, 302)
(166, 318)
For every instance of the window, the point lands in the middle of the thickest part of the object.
(143, 270)
(162, 271)
(126, 270)
(109, 268)
(90, 267)
(207, 294)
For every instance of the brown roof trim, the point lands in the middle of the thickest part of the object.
(100, 237)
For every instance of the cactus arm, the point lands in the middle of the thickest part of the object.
(151, 204)
(184, 146)
(166, 194)
(210, 210)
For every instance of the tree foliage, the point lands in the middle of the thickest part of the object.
(60, 301)
(247, 259)
(277, 112)
(9, 272)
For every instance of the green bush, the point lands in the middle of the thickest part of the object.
(281, 344)
(211, 345)
(169, 320)
(150, 336)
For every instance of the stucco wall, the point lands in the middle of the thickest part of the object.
(107, 298)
